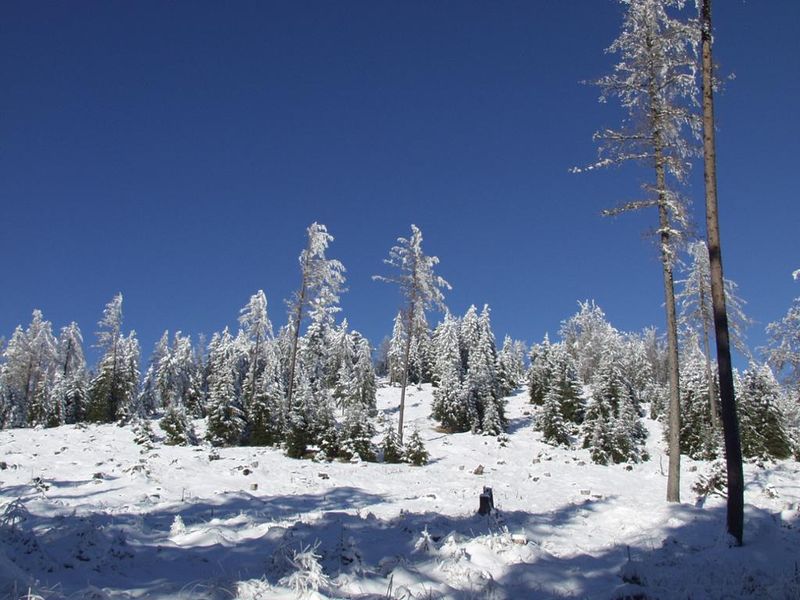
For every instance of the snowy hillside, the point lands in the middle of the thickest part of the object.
(87, 513)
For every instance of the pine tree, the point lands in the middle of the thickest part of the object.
(452, 406)
(550, 420)
(414, 452)
(356, 434)
(28, 373)
(540, 372)
(322, 280)
(421, 291)
(177, 426)
(783, 351)
(226, 417)
(392, 451)
(70, 379)
(151, 400)
(117, 374)
(698, 437)
(655, 83)
(763, 431)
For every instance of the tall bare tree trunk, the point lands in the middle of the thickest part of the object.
(674, 470)
(730, 422)
(298, 318)
(406, 357)
(713, 405)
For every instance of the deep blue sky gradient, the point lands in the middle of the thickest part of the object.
(176, 151)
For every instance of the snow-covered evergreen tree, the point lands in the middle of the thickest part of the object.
(612, 428)
(392, 451)
(117, 374)
(539, 374)
(28, 374)
(176, 424)
(699, 439)
(226, 417)
(70, 384)
(452, 406)
(589, 337)
(550, 420)
(150, 399)
(783, 350)
(322, 281)
(762, 425)
(414, 451)
(396, 350)
(421, 290)
(356, 434)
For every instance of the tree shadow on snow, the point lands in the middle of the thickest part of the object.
(239, 536)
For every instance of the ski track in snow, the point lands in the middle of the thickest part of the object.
(87, 514)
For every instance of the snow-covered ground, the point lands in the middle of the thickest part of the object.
(87, 513)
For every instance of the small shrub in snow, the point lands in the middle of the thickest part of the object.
(177, 528)
(415, 452)
(308, 575)
(713, 482)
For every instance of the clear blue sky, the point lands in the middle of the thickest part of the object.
(176, 151)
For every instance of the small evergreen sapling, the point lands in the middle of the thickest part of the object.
(414, 452)
(392, 451)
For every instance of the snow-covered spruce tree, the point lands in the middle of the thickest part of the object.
(539, 373)
(565, 384)
(112, 384)
(70, 383)
(363, 371)
(612, 429)
(783, 350)
(27, 373)
(421, 290)
(226, 417)
(452, 406)
(510, 366)
(262, 384)
(481, 378)
(355, 438)
(654, 81)
(128, 407)
(310, 420)
(698, 437)
(587, 336)
(392, 451)
(762, 425)
(267, 413)
(150, 397)
(176, 424)
(322, 280)
(550, 420)
(257, 329)
(414, 451)
(397, 344)
(697, 313)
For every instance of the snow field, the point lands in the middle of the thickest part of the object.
(88, 513)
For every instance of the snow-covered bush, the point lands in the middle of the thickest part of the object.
(308, 575)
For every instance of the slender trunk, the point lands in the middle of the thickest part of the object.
(730, 422)
(298, 318)
(674, 471)
(656, 119)
(254, 361)
(406, 357)
(712, 384)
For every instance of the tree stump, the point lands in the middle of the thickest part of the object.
(486, 501)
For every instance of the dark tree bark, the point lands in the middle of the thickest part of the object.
(730, 422)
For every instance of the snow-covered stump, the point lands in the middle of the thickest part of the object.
(486, 501)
